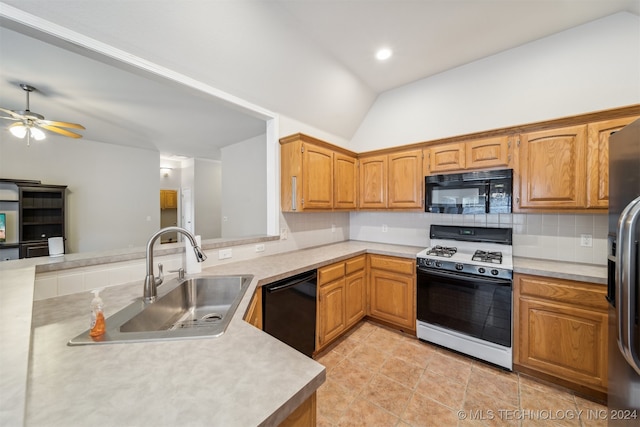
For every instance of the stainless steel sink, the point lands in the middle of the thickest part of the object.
(186, 308)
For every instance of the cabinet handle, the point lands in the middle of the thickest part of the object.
(293, 192)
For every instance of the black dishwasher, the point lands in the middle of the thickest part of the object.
(289, 311)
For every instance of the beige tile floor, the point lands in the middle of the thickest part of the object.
(380, 377)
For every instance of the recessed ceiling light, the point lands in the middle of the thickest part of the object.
(383, 54)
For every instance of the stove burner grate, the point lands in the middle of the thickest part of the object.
(487, 256)
(443, 251)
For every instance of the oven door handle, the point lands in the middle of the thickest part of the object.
(465, 277)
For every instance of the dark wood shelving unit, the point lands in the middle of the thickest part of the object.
(41, 215)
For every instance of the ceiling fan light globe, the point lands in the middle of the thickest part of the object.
(18, 131)
(37, 134)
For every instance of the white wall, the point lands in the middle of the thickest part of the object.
(113, 191)
(244, 194)
(588, 68)
(207, 195)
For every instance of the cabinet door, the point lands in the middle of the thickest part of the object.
(598, 160)
(552, 166)
(168, 199)
(331, 311)
(560, 329)
(356, 296)
(373, 182)
(405, 179)
(447, 158)
(392, 298)
(317, 171)
(487, 153)
(564, 341)
(345, 183)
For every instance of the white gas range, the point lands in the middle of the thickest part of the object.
(464, 291)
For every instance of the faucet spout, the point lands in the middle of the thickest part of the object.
(151, 282)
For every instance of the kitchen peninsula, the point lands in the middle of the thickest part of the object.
(244, 377)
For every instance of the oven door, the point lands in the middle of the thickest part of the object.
(472, 305)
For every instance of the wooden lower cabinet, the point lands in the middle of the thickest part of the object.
(254, 312)
(341, 299)
(331, 311)
(356, 297)
(392, 291)
(561, 332)
(304, 415)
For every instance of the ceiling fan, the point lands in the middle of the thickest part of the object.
(30, 124)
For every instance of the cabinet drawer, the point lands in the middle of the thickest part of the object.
(398, 265)
(574, 293)
(355, 264)
(330, 273)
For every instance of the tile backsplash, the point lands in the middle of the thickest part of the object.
(546, 236)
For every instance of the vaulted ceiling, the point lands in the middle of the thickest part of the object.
(310, 60)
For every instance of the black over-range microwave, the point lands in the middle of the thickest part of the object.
(470, 192)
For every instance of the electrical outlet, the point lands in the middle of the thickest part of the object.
(333, 228)
(224, 254)
(284, 234)
(586, 240)
(385, 228)
(260, 247)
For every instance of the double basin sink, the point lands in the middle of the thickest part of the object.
(186, 308)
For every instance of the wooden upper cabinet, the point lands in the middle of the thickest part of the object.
(405, 179)
(487, 153)
(447, 157)
(474, 154)
(552, 166)
(168, 199)
(317, 170)
(345, 181)
(373, 182)
(598, 160)
(316, 176)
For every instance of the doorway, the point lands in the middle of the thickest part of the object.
(168, 214)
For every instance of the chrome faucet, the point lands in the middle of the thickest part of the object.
(151, 282)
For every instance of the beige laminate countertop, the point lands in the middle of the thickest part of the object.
(561, 270)
(245, 377)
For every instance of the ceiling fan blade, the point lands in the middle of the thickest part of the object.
(60, 131)
(11, 113)
(61, 124)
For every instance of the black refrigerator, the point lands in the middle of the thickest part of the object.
(623, 293)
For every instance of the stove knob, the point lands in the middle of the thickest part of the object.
(494, 272)
(428, 262)
(438, 264)
(459, 267)
(481, 270)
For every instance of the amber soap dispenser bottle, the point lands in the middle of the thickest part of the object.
(98, 326)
